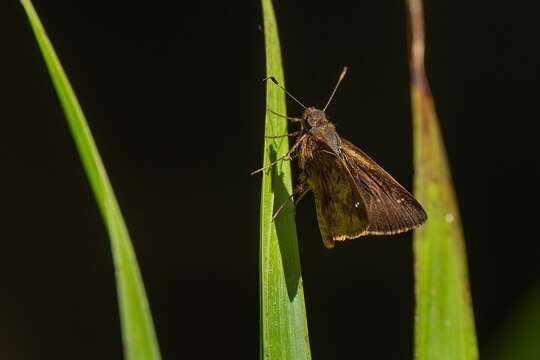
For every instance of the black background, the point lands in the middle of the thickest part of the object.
(173, 96)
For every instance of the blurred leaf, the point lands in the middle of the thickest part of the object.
(518, 337)
(137, 328)
(283, 323)
(444, 321)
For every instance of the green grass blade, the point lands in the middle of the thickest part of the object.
(444, 321)
(137, 328)
(283, 323)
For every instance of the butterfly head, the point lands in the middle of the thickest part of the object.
(314, 117)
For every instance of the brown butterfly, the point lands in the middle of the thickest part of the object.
(353, 195)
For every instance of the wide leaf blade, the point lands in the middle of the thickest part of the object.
(444, 321)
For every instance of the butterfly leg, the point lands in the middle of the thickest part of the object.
(299, 192)
(293, 119)
(288, 156)
(302, 188)
(280, 136)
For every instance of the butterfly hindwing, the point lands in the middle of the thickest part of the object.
(340, 210)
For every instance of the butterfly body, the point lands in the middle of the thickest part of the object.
(353, 195)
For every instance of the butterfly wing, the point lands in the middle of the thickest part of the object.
(389, 207)
(340, 210)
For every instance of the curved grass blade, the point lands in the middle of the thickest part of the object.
(137, 328)
(283, 323)
(444, 321)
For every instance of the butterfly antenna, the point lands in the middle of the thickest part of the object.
(282, 88)
(343, 72)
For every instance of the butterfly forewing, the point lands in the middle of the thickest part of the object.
(390, 208)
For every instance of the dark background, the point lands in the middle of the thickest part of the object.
(173, 96)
